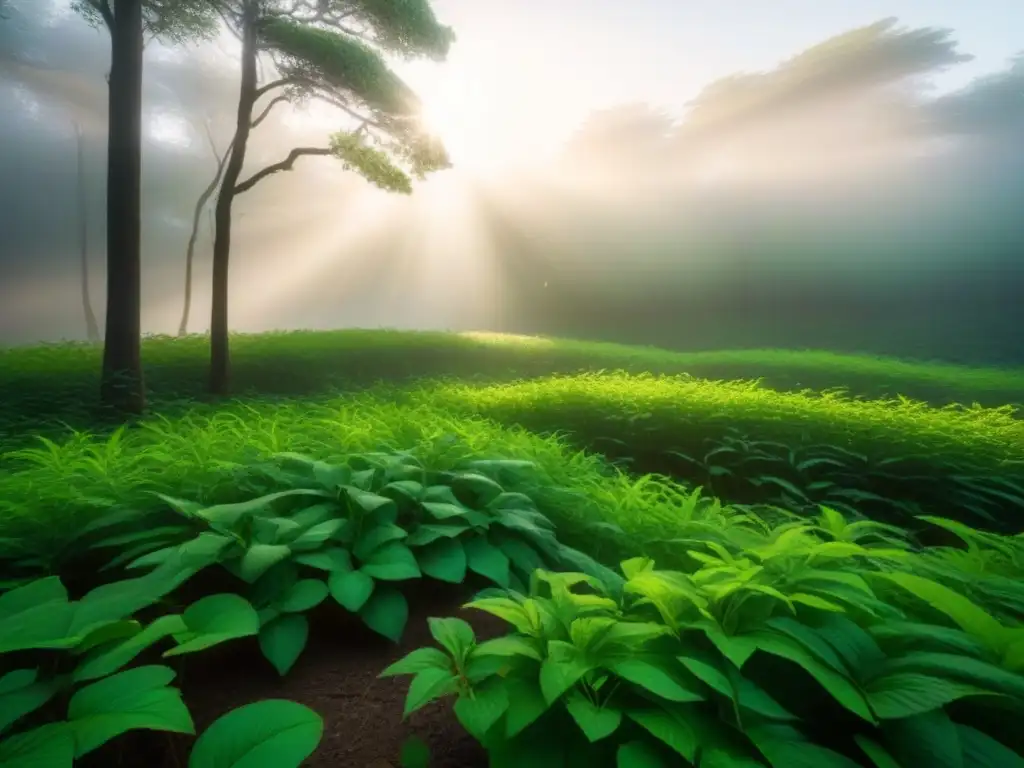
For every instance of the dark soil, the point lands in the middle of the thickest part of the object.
(336, 677)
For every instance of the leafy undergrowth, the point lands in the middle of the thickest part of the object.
(804, 612)
(799, 653)
(50, 382)
(886, 459)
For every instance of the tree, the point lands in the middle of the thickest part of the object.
(92, 330)
(122, 386)
(197, 213)
(331, 50)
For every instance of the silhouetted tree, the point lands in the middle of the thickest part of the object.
(330, 51)
(122, 385)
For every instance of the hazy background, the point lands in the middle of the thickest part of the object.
(786, 173)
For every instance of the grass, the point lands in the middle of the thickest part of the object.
(798, 494)
(56, 381)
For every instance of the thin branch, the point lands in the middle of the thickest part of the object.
(280, 83)
(284, 165)
(266, 110)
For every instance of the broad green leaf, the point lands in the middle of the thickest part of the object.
(454, 635)
(635, 566)
(930, 739)
(316, 535)
(133, 699)
(903, 694)
(595, 722)
(878, 755)
(508, 610)
(526, 704)
(444, 560)
(414, 753)
(330, 559)
(105, 661)
(386, 613)
(418, 660)
(16, 703)
(638, 754)
(267, 733)
(964, 669)
(216, 619)
(228, 515)
(259, 558)
(425, 534)
(376, 537)
(48, 746)
(443, 510)
(982, 751)
(283, 639)
(32, 595)
(371, 503)
(428, 684)
(392, 562)
(655, 679)
(562, 669)
(970, 617)
(480, 711)
(304, 595)
(484, 558)
(670, 724)
(508, 646)
(350, 588)
(17, 680)
(113, 632)
(786, 747)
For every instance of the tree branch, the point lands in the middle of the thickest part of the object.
(280, 83)
(103, 8)
(266, 110)
(284, 165)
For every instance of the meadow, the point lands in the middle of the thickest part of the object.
(733, 558)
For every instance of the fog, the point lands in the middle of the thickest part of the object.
(837, 200)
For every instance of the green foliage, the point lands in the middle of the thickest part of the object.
(406, 27)
(372, 164)
(172, 21)
(718, 666)
(101, 699)
(346, 530)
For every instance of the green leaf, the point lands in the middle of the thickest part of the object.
(283, 639)
(671, 724)
(133, 699)
(20, 701)
(49, 746)
(376, 537)
(418, 660)
(562, 669)
(304, 596)
(216, 619)
(444, 560)
(876, 752)
(428, 684)
(105, 661)
(930, 739)
(426, 534)
(261, 557)
(785, 747)
(454, 635)
(595, 722)
(967, 615)
(316, 535)
(638, 754)
(655, 679)
(414, 753)
(908, 693)
(507, 609)
(443, 510)
(330, 559)
(30, 596)
(17, 680)
(113, 632)
(350, 588)
(392, 562)
(386, 613)
(526, 704)
(508, 646)
(371, 503)
(490, 562)
(982, 751)
(267, 733)
(479, 711)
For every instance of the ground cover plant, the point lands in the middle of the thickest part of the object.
(874, 544)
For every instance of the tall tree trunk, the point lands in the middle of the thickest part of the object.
(220, 362)
(190, 251)
(92, 330)
(122, 385)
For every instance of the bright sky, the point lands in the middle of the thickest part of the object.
(525, 73)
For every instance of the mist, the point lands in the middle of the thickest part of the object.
(838, 200)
